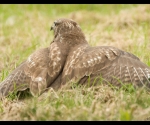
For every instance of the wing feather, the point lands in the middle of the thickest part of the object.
(89, 60)
(112, 64)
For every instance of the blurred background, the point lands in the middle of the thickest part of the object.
(25, 28)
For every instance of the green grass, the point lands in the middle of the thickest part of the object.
(26, 28)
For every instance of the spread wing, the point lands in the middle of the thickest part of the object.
(17, 80)
(105, 61)
(31, 71)
(127, 70)
(37, 72)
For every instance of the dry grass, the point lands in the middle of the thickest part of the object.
(25, 28)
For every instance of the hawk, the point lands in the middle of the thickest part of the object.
(70, 58)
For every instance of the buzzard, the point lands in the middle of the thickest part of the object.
(70, 58)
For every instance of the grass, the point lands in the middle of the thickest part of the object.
(26, 28)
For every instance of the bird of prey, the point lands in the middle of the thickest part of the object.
(70, 58)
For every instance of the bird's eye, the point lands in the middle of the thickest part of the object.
(56, 23)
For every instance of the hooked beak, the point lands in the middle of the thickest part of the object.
(51, 28)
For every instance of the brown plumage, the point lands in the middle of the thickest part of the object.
(100, 64)
(70, 58)
(43, 67)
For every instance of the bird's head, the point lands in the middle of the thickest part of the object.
(64, 25)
